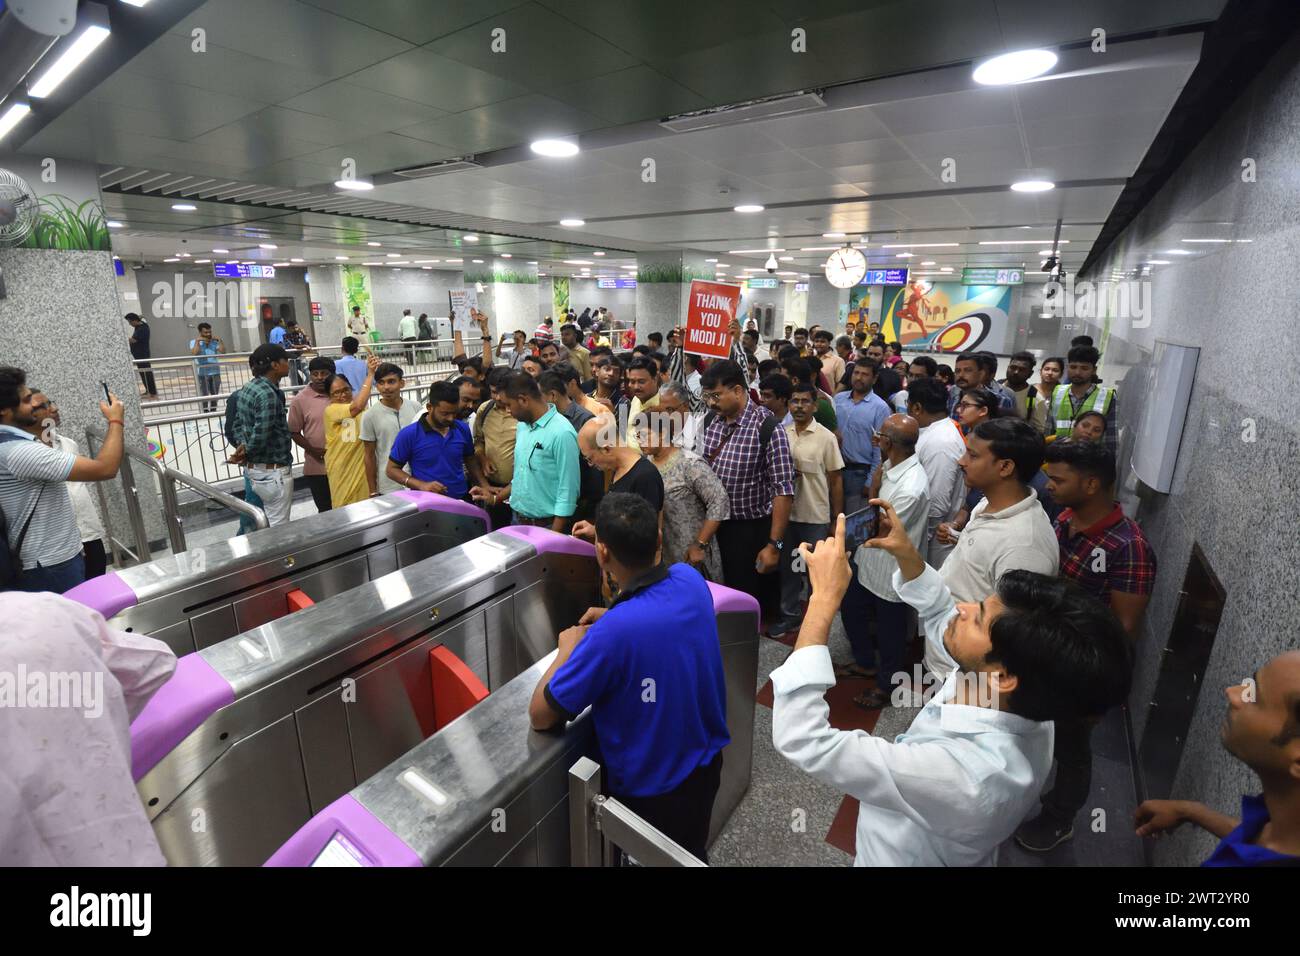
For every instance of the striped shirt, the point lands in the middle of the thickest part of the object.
(33, 481)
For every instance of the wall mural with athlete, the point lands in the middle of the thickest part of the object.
(946, 316)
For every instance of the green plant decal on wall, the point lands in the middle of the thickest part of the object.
(63, 224)
(356, 288)
(508, 276)
(675, 273)
(560, 294)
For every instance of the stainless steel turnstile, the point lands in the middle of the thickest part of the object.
(253, 735)
(487, 790)
(203, 596)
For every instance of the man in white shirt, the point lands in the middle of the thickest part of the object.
(940, 449)
(958, 782)
(1009, 528)
(380, 425)
(871, 596)
(408, 330)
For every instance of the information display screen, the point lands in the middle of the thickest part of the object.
(235, 270)
(885, 277)
(339, 851)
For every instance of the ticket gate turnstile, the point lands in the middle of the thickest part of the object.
(487, 790)
(253, 735)
(196, 599)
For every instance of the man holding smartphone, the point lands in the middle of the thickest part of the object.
(871, 594)
(207, 368)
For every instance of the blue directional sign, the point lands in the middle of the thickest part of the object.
(885, 277)
(235, 270)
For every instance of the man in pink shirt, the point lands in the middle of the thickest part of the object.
(307, 429)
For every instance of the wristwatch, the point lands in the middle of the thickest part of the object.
(779, 545)
(702, 545)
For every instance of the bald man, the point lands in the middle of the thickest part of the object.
(871, 595)
(1262, 730)
(599, 443)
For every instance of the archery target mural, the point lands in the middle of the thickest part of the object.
(946, 315)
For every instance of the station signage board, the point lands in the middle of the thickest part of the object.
(885, 277)
(801, 287)
(709, 314)
(971, 276)
(236, 270)
(615, 283)
(764, 283)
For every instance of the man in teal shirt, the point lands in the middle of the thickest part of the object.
(544, 488)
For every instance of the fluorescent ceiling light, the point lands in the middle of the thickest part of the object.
(554, 148)
(136, 3)
(820, 248)
(833, 235)
(748, 252)
(12, 117)
(295, 260)
(393, 255)
(1157, 262)
(920, 245)
(946, 269)
(197, 262)
(710, 260)
(374, 243)
(507, 255)
(577, 262)
(171, 260)
(279, 265)
(341, 258)
(1032, 186)
(426, 267)
(232, 262)
(184, 206)
(262, 245)
(1212, 240)
(477, 262)
(1016, 242)
(60, 69)
(372, 263)
(470, 237)
(400, 262)
(749, 207)
(1178, 252)
(422, 261)
(455, 260)
(903, 255)
(573, 223)
(533, 262)
(113, 224)
(361, 185)
(928, 262)
(787, 258)
(598, 253)
(1014, 67)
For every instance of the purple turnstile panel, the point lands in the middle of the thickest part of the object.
(108, 594)
(378, 845)
(194, 693)
(548, 542)
(726, 599)
(428, 501)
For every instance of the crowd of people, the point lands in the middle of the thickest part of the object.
(831, 479)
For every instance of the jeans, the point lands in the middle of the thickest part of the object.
(55, 578)
(857, 479)
(246, 523)
(794, 573)
(858, 609)
(275, 487)
(1073, 753)
(319, 486)
(517, 518)
(209, 384)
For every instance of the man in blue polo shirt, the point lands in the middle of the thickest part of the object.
(438, 446)
(859, 412)
(657, 694)
(1262, 730)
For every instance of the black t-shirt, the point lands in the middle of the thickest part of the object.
(140, 348)
(643, 479)
(887, 383)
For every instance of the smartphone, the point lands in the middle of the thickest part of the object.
(107, 397)
(859, 528)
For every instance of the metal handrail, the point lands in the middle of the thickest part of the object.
(171, 477)
(131, 489)
(599, 824)
(417, 377)
(188, 359)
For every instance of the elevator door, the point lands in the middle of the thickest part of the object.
(272, 309)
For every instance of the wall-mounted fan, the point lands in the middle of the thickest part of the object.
(19, 208)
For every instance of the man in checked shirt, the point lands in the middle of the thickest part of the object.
(750, 453)
(1105, 553)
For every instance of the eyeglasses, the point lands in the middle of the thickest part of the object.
(968, 405)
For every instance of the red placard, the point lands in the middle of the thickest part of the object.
(709, 314)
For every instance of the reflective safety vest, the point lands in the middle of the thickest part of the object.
(1065, 411)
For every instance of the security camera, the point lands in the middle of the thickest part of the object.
(770, 264)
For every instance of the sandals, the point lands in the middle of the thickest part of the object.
(872, 700)
(854, 671)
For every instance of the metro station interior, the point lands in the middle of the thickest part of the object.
(354, 687)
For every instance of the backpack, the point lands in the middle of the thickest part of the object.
(765, 431)
(11, 564)
(232, 415)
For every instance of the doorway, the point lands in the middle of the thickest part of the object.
(272, 309)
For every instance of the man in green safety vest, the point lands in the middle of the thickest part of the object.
(1083, 394)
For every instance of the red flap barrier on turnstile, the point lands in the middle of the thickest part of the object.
(456, 688)
(297, 600)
